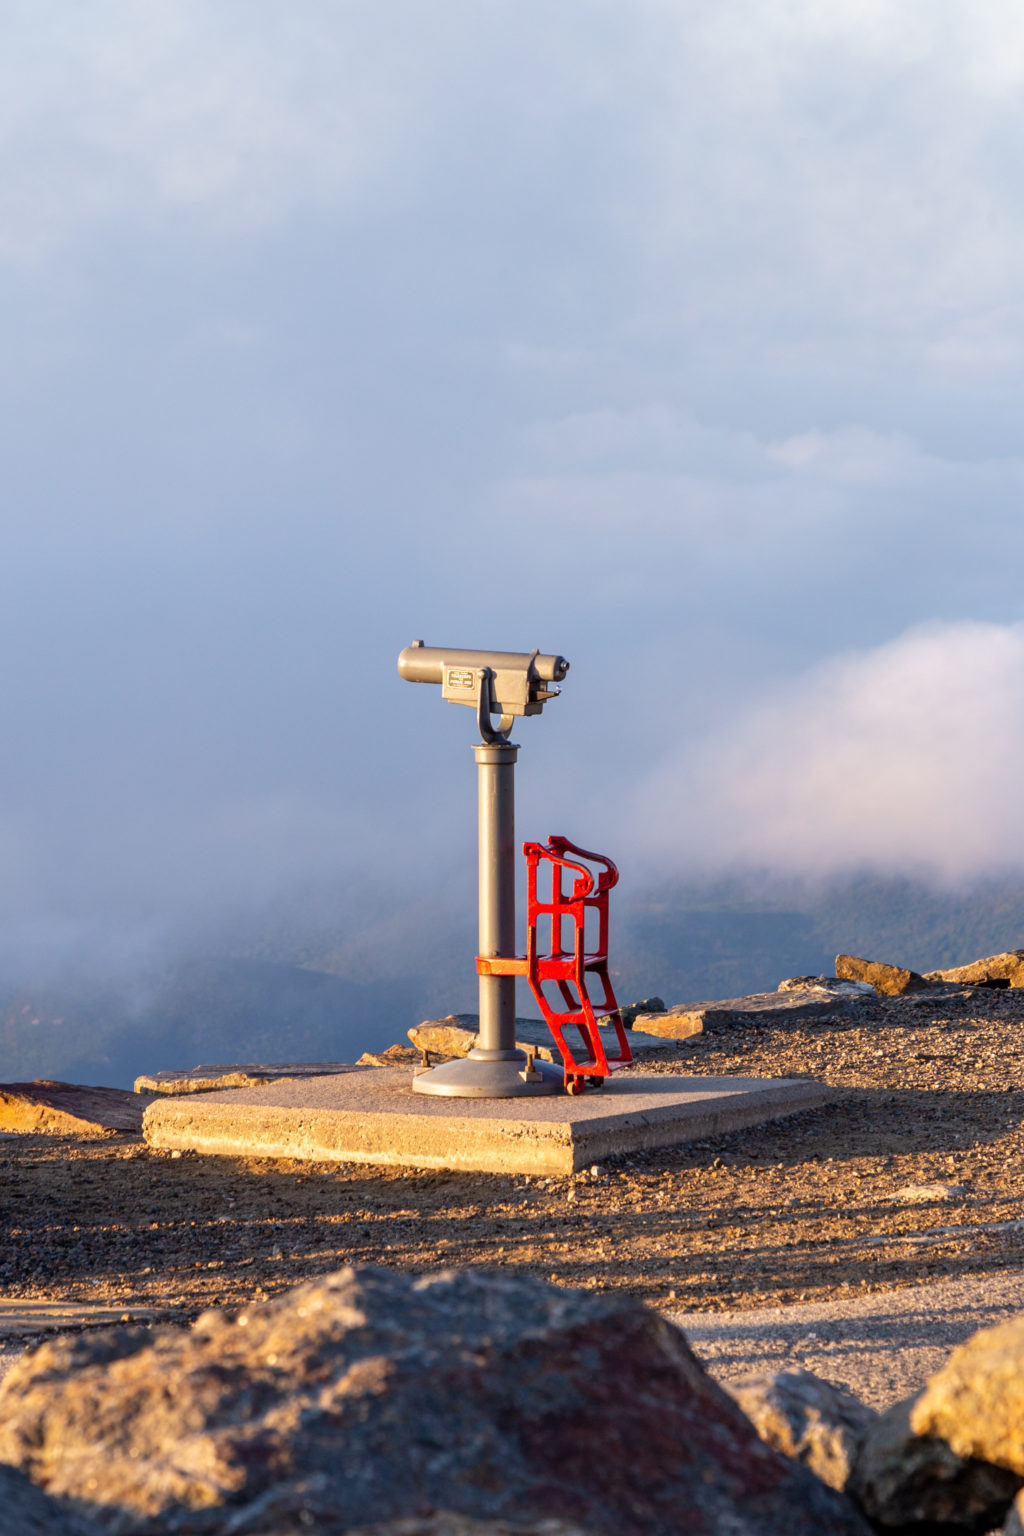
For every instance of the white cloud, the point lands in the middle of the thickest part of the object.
(681, 335)
(858, 153)
(831, 182)
(851, 456)
(657, 471)
(906, 759)
(240, 114)
(815, 187)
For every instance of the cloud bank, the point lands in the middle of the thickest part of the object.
(905, 759)
(685, 341)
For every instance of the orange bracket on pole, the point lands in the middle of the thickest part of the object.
(565, 913)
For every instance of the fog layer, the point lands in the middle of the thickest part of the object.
(686, 341)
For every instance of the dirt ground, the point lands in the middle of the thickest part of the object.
(801, 1209)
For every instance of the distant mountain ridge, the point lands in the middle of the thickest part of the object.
(683, 943)
(200, 1010)
(727, 940)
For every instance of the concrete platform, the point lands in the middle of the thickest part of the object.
(371, 1115)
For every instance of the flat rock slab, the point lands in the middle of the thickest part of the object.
(684, 1019)
(1006, 969)
(61, 1109)
(672, 1027)
(21, 1319)
(373, 1116)
(935, 995)
(253, 1074)
(535, 1033)
(452, 1037)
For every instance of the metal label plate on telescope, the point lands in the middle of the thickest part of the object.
(465, 679)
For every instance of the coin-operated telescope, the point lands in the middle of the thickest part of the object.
(505, 683)
(511, 684)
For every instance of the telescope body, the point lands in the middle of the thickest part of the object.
(510, 682)
(426, 663)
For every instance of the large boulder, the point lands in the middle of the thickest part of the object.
(371, 1396)
(454, 1035)
(1004, 970)
(903, 1479)
(802, 1416)
(891, 980)
(976, 1401)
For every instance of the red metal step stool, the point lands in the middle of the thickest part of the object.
(572, 968)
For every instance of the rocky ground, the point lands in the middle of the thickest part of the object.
(829, 1202)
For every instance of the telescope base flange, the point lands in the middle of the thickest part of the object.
(467, 1078)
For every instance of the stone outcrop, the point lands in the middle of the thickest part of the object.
(454, 1035)
(1005, 970)
(684, 1019)
(976, 1401)
(396, 1056)
(953, 1456)
(890, 980)
(669, 1024)
(830, 984)
(251, 1074)
(457, 1035)
(371, 1396)
(904, 1479)
(63, 1109)
(629, 1011)
(811, 1420)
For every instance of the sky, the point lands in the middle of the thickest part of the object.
(684, 340)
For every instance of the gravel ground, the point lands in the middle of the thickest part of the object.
(809, 1210)
(881, 1346)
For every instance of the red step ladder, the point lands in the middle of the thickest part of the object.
(574, 968)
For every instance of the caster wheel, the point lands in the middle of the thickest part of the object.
(596, 1082)
(576, 1085)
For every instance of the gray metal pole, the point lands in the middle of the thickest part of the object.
(496, 765)
(495, 1068)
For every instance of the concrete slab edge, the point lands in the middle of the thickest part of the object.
(484, 1146)
(596, 1142)
(478, 1147)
